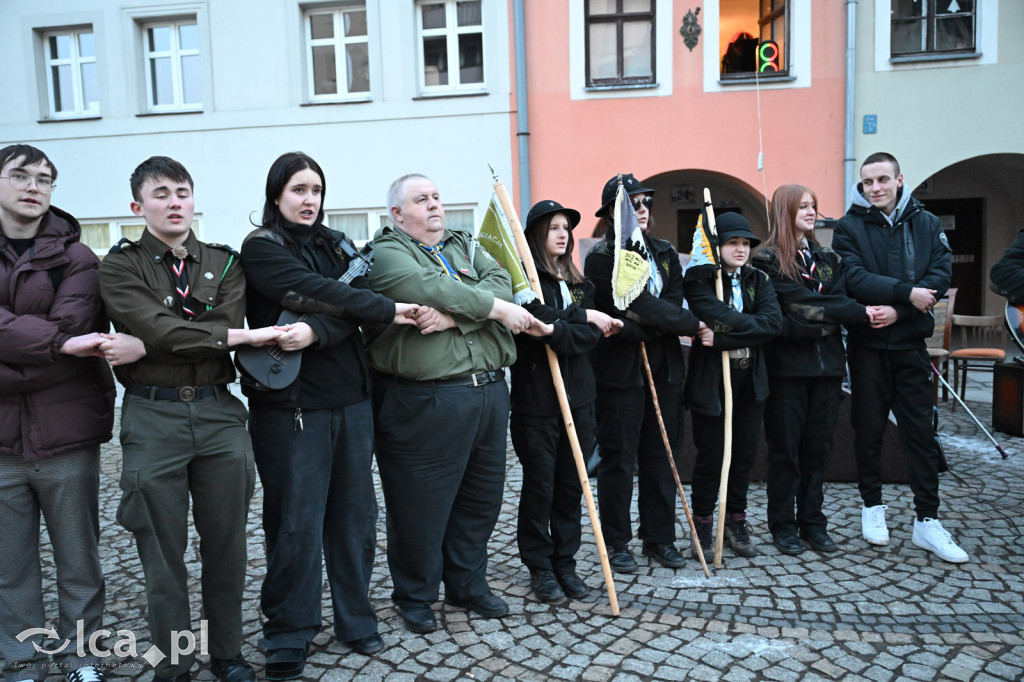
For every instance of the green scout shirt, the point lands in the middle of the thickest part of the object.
(403, 271)
(138, 292)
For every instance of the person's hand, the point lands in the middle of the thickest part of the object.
(405, 313)
(606, 323)
(84, 346)
(884, 316)
(617, 326)
(121, 349)
(515, 318)
(540, 329)
(706, 336)
(429, 320)
(291, 337)
(923, 299)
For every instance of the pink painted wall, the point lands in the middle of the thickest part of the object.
(575, 146)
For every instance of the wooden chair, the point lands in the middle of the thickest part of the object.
(938, 343)
(982, 345)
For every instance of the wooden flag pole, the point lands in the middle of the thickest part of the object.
(723, 485)
(563, 400)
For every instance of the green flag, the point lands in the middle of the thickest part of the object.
(496, 237)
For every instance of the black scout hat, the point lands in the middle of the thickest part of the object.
(731, 225)
(631, 184)
(548, 207)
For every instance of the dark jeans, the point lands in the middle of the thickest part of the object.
(629, 437)
(318, 503)
(441, 455)
(899, 380)
(548, 531)
(709, 438)
(800, 419)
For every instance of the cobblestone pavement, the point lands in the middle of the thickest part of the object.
(864, 613)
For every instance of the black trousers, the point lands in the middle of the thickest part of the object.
(441, 455)
(881, 380)
(709, 437)
(800, 418)
(629, 437)
(548, 531)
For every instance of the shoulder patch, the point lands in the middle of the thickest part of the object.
(945, 241)
(125, 243)
(223, 247)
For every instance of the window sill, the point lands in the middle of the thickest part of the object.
(751, 80)
(147, 114)
(938, 57)
(69, 119)
(620, 86)
(326, 102)
(450, 93)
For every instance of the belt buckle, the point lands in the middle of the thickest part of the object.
(186, 394)
(475, 382)
(744, 363)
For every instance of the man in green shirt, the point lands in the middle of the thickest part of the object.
(442, 404)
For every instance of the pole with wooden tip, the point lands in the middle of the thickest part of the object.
(563, 400)
(723, 485)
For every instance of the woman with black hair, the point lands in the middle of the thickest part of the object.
(549, 506)
(313, 439)
(805, 366)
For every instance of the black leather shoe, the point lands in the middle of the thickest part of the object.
(818, 539)
(285, 664)
(487, 605)
(232, 669)
(545, 587)
(621, 560)
(183, 677)
(419, 618)
(666, 555)
(788, 544)
(572, 585)
(367, 646)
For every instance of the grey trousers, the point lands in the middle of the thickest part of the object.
(65, 490)
(173, 451)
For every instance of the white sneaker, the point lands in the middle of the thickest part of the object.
(872, 524)
(929, 534)
(87, 673)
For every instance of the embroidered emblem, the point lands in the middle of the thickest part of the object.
(208, 275)
(169, 302)
(179, 252)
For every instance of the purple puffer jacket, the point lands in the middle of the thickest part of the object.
(51, 403)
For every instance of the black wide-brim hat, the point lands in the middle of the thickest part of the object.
(732, 224)
(631, 184)
(549, 207)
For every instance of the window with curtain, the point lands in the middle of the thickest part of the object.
(932, 27)
(337, 50)
(620, 42)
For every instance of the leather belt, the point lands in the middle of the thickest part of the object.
(181, 394)
(738, 353)
(477, 379)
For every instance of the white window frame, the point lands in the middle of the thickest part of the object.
(175, 53)
(379, 216)
(339, 42)
(451, 31)
(115, 228)
(986, 41)
(75, 61)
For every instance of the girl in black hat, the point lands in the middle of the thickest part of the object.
(806, 368)
(549, 506)
(742, 325)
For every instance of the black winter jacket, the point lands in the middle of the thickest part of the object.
(533, 391)
(811, 344)
(659, 322)
(1007, 276)
(883, 263)
(300, 273)
(753, 328)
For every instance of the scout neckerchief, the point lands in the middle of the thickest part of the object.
(737, 294)
(435, 253)
(810, 273)
(181, 280)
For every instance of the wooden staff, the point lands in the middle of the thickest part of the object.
(723, 485)
(563, 400)
(672, 461)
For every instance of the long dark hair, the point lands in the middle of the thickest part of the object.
(560, 268)
(281, 171)
(782, 235)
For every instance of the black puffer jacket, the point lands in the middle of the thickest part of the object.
(1007, 276)
(883, 262)
(811, 343)
(657, 321)
(533, 391)
(51, 403)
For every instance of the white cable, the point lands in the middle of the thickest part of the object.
(760, 142)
